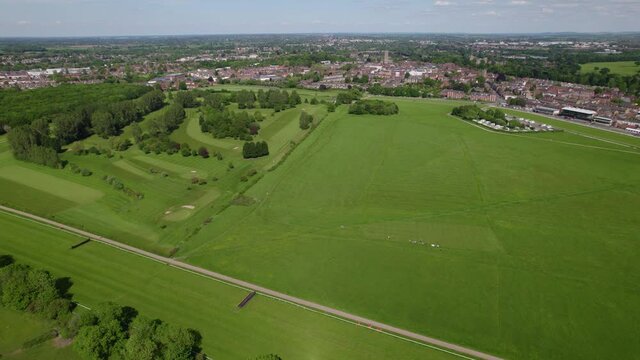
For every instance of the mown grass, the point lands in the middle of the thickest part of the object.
(100, 273)
(519, 245)
(165, 181)
(16, 328)
(625, 68)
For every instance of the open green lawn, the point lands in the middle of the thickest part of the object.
(520, 245)
(535, 234)
(17, 328)
(617, 67)
(172, 208)
(100, 273)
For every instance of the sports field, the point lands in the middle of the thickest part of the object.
(625, 68)
(100, 273)
(518, 245)
(523, 246)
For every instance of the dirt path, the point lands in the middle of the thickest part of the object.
(377, 326)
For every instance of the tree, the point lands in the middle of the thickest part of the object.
(215, 101)
(22, 139)
(186, 99)
(103, 123)
(294, 99)
(136, 131)
(28, 144)
(108, 332)
(517, 102)
(151, 101)
(142, 343)
(245, 99)
(185, 150)
(26, 289)
(252, 150)
(171, 120)
(68, 128)
(178, 343)
(348, 97)
(203, 152)
(305, 120)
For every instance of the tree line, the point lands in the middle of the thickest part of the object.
(428, 88)
(252, 150)
(271, 99)
(107, 331)
(373, 107)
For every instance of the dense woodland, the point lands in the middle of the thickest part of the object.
(25, 106)
(40, 140)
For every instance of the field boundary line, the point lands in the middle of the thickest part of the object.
(434, 343)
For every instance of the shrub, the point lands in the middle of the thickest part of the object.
(202, 151)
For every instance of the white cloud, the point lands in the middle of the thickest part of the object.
(442, 3)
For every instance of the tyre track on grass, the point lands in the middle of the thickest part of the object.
(440, 345)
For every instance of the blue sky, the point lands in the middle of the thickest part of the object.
(169, 17)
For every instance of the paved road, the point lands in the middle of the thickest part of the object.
(260, 290)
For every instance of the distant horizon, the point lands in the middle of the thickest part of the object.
(102, 18)
(631, 32)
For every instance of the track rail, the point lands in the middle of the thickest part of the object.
(445, 346)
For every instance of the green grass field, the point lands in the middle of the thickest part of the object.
(173, 208)
(625, 68)
(520, 245)
(100, 273)
(17, 327)
(535, 234)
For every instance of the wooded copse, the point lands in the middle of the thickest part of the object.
(373, 107)
(473, 112)
(252, 150)
(108, 330)
(227, 123)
